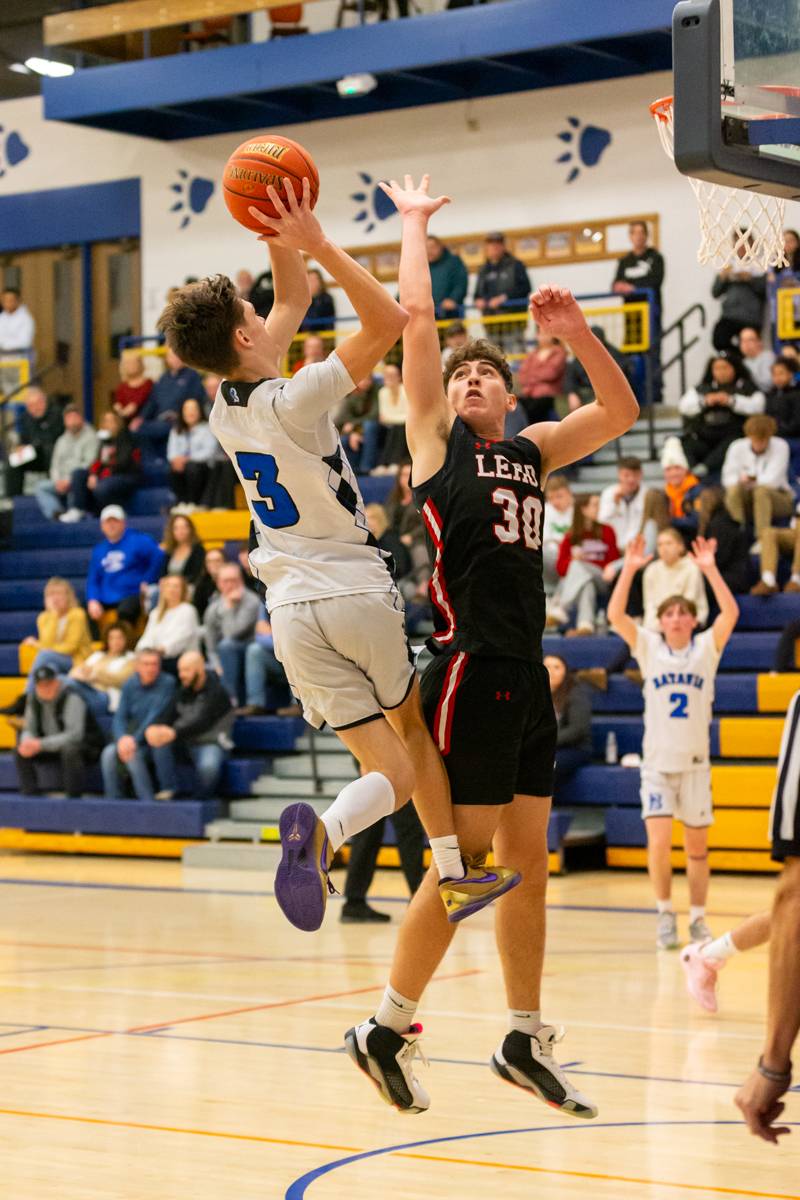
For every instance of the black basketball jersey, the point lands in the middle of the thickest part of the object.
(483, 513)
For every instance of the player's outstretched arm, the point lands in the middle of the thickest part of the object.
(382, 319)
(618, 619)
(429, 419)
(614, 408)
(292, 295)
(703, 555)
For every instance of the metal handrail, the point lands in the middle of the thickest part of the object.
(683, 346)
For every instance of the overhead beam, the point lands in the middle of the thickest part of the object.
(137, 16)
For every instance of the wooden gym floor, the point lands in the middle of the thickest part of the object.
(164, 1034)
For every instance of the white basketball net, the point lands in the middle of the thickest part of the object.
(736, 227)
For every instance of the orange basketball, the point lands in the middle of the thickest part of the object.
(259, 163)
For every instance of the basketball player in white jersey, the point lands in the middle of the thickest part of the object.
(337, 617)
(678, 670)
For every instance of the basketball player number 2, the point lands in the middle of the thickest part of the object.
(680, 701)
(509, 531)
(276, 509)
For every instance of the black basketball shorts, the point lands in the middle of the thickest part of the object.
(493, 722)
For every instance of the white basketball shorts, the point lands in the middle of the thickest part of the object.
(682, 794)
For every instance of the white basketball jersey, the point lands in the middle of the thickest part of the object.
(312, 536)
(678, 700)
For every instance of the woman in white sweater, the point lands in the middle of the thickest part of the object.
(172, 626)
(672, 574)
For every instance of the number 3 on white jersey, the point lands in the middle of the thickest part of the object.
(509, 531)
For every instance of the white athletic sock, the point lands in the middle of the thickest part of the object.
(665, 906)
(697, 912)
(396, 1011)
(525, 1021)
(768, 577)
(359, 805)
(447, 857)
(722, 947)
(795, 577)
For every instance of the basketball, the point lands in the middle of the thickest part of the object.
(262, 162)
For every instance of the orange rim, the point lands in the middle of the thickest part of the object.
(660, 108)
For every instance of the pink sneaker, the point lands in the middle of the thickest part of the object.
(701, 976)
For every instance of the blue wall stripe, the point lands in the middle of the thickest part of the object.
(94, 212)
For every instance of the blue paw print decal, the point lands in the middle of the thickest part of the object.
(193, 194)
(587, 145)
(13, 150)
(376, 204)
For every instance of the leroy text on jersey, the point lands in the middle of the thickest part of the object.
(503, 469)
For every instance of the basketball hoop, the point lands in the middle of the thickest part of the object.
(737, 227)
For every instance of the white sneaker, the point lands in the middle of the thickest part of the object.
(387, 1060)
(72, 515)
(165, 795)
(667, 931)
(699, 931)
(528, 1062)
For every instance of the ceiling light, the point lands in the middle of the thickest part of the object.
(356, 85)
(47, 66)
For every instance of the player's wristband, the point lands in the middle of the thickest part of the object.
(774, 1076)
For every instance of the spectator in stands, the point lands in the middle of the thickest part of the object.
(195, 729)
(732, 554)
(743, 294)
(99, 678)
(573, 710)
(113, 476)
(400, 559)
(584, 559)
(774, 543)
(559, 510)
(641, 268)
(63, 638)
(541, 378)
(364, 850)
(679, 484)
(455, 336)
(60, 738)
(673, 573)
(39, 428)
(502, 286)
(404, 518)
(392, 413)
(755, 476)
(359, 408)
(244, 283)
(222, 477)
(448, 279)
(145, 699)
(121, 564)
(211, 384)
(715, 411)
(785, 660)
(229, 625)
(322, 310)
(184, 553)
(191, 449)
(76, 449)
(630, 508)
(313, 352)
(262, 671)
(262, 294)
(160, 411)
(576, 381)
(783, 398)
(17, 326)
(133, 389)
(206, 586)
(173, 626)
(756, 357)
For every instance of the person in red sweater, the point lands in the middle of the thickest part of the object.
(583, 563)
(541, 377)
(134, 386)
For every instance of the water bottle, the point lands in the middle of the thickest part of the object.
(611, 747)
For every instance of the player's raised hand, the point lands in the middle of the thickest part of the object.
(703, 553)
(556, 311)
(296, 227)
(410, 199)
(636, 555)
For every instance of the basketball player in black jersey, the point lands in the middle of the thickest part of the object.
(486, 694)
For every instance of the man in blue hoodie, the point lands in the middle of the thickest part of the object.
(120, 564)
(145, 700)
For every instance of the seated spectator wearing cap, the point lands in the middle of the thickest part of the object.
(39, 427)
(630, 508)
(121, 565)
(541, 377)
(672, 574)
(195, 729)
(756, 357)
(98, 678)
(573, 711)
(62, 631)
(755, 475)
(455, 336)
(184, 553)
(145, 699)
(359, 410)
(112, 478)
(160, 411)
(585, 564)
(173, 626)
(680, 485)
(229, 626)
(783, 398)
(76, 449)
(263, 671)
(559, 509)
(448, 279)
(60, 738)
(134, 388)
(191, 450)
(715, 411)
